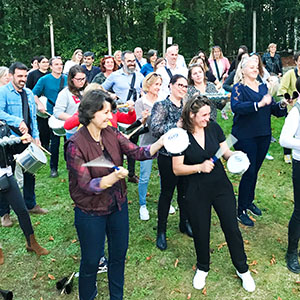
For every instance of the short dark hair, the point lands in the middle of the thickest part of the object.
(175, 78)
(150, 53)
(92, 102)
(124, 53)
(192, 105)
(35, 58)
(17, 65)
(89, 53)
(41, 58)
(296, 55)
(72, 73)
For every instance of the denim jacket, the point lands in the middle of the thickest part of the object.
(11, 108)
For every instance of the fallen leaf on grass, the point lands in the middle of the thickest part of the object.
(37, 223)
(297, 282)
(254, 263)
(274, 196)
(176, 262)
(34, 275)
(129, 202)
(222, 245)
(74, 241)
(279, 240)
(53, 259)
(75, 258)
(246, 242)
(42, 278)
(204, 292)
(51, 277)
(252, 218)
(273, 260)
(63, 180)
(194, 268)
(148, 257)
(279, 298)
(41, 298)
(176, 291)
(189, 296)
(51, 238)
(254, 271)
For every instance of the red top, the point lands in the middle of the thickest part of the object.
(127, 118)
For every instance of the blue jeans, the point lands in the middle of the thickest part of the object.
(145, 172)
(91, 230)
(28, 194)
(256, 149)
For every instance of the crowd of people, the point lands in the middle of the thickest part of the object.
(151, 96)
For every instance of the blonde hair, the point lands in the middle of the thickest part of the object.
(93, 86)
(3, 71)
(271, 45)
(149, 80)
(239, 76)
(212, 56)
(75, 53)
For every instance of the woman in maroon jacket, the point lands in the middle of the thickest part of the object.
(100, 193)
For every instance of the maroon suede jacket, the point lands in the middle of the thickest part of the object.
(84, 181)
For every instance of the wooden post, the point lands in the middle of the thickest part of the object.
(108, 34)
(51, 36)
(295, 34)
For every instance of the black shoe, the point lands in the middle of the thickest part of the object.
(254, 210)
(161, 241)
(133, 179)
(185, 227)
(53, 173)
(292, 262)
(244, 219)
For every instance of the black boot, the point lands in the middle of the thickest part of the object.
(161, 241)
(292, 262)
(185, 227)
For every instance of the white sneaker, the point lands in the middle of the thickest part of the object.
(144, 213)
(247, 281)
(199, 279)
(172, 210)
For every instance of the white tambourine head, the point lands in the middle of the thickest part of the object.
(238, 163)
(176, 140)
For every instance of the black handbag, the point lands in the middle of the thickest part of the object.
(4, 183)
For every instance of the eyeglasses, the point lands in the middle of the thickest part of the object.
(182, 86)
(80, 79)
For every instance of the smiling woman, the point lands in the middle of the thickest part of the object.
(99, 193)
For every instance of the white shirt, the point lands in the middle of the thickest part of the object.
(143, 61)
(290, 133)
(7, 171)
(164, 90)
(180, 61)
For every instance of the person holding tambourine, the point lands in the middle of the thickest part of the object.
(202, 176)
(10, 193)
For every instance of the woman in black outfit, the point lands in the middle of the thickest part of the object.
(207, 186)
(165, 116)
(10, 192)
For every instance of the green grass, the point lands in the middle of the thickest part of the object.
(151, 274)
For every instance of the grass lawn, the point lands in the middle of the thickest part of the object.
(150, 273)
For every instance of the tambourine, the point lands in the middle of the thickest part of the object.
(176, 140)
(238, 163)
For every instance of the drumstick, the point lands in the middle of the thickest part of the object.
(134, 131)
(122, 105)
(69, 280)
(48, 114)
(44, 149)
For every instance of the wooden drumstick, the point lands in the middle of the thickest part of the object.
(134, 131)
(48, 114)
(69, 280)
(122, 105)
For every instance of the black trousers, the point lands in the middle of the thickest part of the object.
(168, 182)
(131, 161)
(45, 131)
(13, 197)
(200, 202)
(294, 224)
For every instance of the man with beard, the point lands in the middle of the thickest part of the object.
(49, 86)
(18, 109)
(126, 84)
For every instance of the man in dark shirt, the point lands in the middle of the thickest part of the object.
(89, 70)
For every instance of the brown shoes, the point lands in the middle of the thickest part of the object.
(38, 210)
(33, 246)
(6, 221)
(1, 257)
